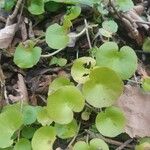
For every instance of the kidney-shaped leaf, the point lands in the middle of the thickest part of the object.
(10, 121)
(123, 61)
(67, 130)
(44, 138)
(26, 56)
(81, 69)
(111, 122)
(63, 102)
(23, 144)
(103, 88)
(56, 37)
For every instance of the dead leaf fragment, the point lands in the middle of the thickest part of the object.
(136, 107)
(7, 35)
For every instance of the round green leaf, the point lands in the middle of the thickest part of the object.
(27, 56)
(124, 5)
(123, 61)
(23, 144)
(143, 146)
(43, 117)
(62, 103)
(44, 138)
(146, 45)
(10, 121)
(56, 37)
(110, 26)
(96, 144)
(58, 83)
(27, 132)
(111, 122)
(105, 33)
(29, 114)
(146, 84)
(103, 88)
(67, 130)
(36, 7)
(81, 69)
(81, 145)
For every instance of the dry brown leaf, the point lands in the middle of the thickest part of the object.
(7, 35)
(136, 107)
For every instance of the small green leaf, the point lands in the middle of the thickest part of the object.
(23, 144)
(58, 83)
(26, 56)
(95, 144)
(27, 132)
(81, 69)
(9, 4)
(58, 61)
(146, 84)
(103, 88)
(62, 103)
(125, 5)
(67, 130)
(43, 117)
(29, 114)
(36, 7)
(10, 121)
(56, 37)
(146, 45)
(110, 25)
(123, 61)
(111, 122)
(105, 33)
(44, 138)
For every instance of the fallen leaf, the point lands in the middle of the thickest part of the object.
(136, 107)
(7, 35)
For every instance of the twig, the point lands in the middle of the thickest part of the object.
(124, 144)
(110, 141)
(14, 14)
(87, 33)
(71, 142)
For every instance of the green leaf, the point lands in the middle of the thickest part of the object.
(58, 83)
(105, 33)
(111, 122)
(43, 117)
(81, 145)
(146, 45)
(10, 121)
(73, 13)
(52, 6)
(125, 5)
(143, 146)
(95, 144)
(123, 61)
(58, 61)
(98, 144)
(36, 7)
(9, 4)
(110, 25)
(146, 84)
(62, 103)
(44, 138)
(56, 37)
(81, 69)
(103, 88)
(29, 114)
(67, 130)
(26, 56)
(23, 144)
(27, 132)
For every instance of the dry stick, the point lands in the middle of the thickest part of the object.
(87, 33)
(142, 22)
(14, 14)
(124, 144)
(110, 141)
(69, 145)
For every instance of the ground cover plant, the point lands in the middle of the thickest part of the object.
(74, 74)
